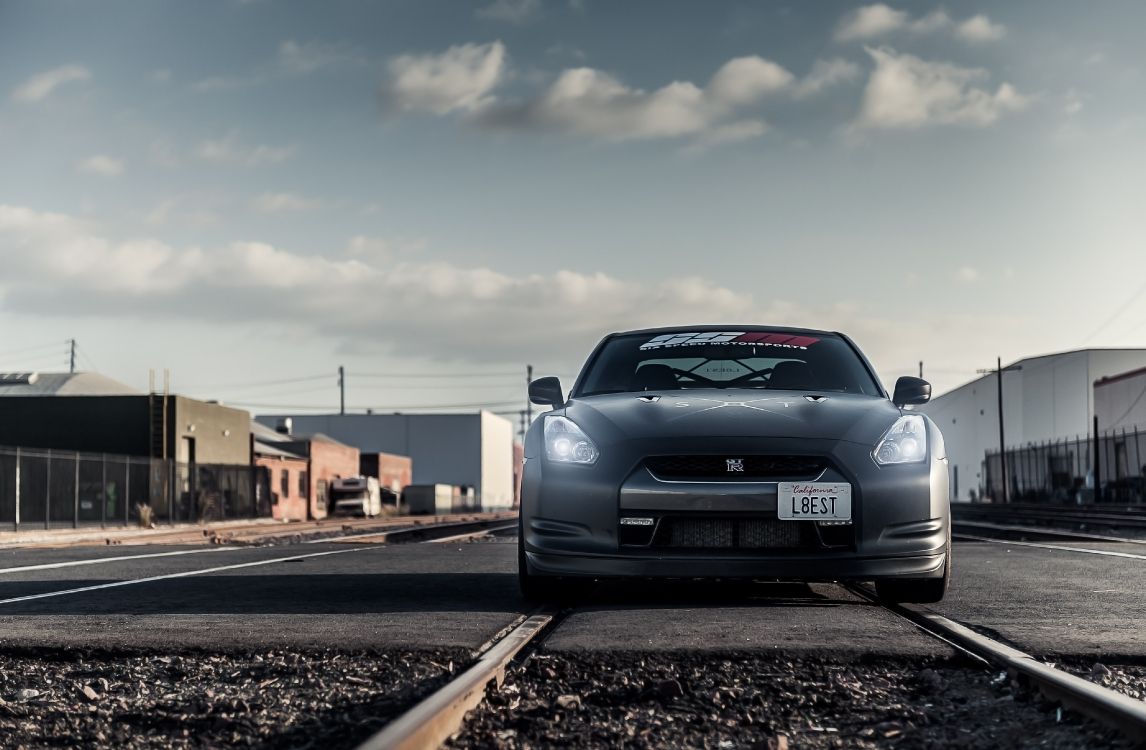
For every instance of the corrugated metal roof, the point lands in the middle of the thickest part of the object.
(271, 449)
(68, 384)
(269, 434)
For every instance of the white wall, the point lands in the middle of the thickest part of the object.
(496, 461)
(1050, 398)
(1121, 404)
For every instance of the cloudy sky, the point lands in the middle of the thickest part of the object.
(250, 193)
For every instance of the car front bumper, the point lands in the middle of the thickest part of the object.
(819, 567)
(571, 518)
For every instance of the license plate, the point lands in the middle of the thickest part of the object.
(815, 501)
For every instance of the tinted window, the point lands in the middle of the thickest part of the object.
(727, 359)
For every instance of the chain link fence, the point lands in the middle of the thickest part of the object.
(1109, 469)
(47, 489)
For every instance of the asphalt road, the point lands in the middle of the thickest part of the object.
(1047, 601)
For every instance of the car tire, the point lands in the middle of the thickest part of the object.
(918, 590)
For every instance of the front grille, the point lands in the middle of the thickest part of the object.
(734, 533)
(737, 468)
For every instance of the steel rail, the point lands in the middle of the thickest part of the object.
(430, 532)
(1053, 514)
(1042, 531)
(1099, 703)
(432, 721)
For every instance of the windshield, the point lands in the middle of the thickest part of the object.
(758, 359)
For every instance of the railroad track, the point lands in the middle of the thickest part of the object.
(1054, 517)
(442, 714)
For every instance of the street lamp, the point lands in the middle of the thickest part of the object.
(999, 370)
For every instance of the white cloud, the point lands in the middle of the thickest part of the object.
(512, 11)
(592, 103)
(907, 92)
(589, 102)
(370, 301)
(56, 264)
(869, 22)
(880, 20)
(825, 74)
(459, 79)
(979, 28)
(43, 84)
(277, 203)
(746, 80)
(229, 150)
(967, 275)
(160, 75)
(101, 165)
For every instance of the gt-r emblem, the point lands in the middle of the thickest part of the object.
(734, 464)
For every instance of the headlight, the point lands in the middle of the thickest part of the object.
(565, 442)
(904, 443)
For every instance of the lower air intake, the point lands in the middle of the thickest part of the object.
(702, 533)
(712, 533)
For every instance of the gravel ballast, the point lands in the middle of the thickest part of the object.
(272, 699)
(762, 701)
(1128, 679)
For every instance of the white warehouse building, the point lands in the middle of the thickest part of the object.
(473, 450)
(1120, 401)
(1045, 398)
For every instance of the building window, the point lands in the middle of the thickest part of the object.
(286, 483)
(303, 486)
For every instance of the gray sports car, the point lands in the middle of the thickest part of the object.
(734, 452)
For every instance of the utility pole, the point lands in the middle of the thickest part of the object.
(524, 424)
(1097, 463)
(921, 369)
(1002, 439)
(999, 370)
(341, 389)
(528, 403)
(72, 368)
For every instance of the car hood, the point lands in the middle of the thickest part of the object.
(734, 413)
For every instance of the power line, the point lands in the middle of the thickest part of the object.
(1126, 413)
(39, 363)
(488, 406)
(1133, 298)
(276, 394)
(434, 374)
(87, 357)
(30, 350)
(257, 384)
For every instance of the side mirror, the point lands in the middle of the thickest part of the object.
(546, 392)
(911, 391)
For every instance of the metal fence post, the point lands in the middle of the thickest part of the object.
(103, 495)
(76, 496)
(1138, 466)
(48, 493)
(16, 526)
(126, 490)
